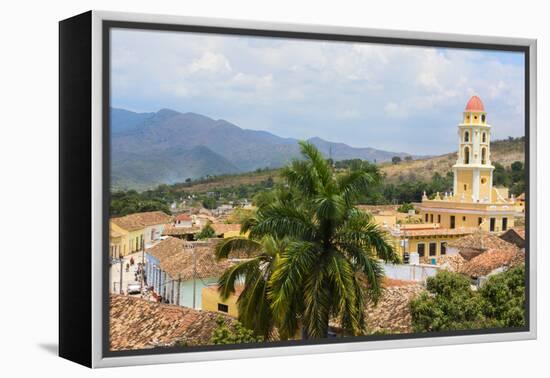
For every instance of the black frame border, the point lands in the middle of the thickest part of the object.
(108, 25)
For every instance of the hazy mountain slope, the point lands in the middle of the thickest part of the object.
(124, 120)
(132, 170)
(144, 148)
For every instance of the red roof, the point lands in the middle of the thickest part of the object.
(475, 105)
(183, 217)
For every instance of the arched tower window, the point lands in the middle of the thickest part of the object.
(483, 118)
(466, 136)
(483, 155)
(484, 138)
(466, 155)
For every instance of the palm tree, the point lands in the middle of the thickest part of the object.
(253, 274)
(330, 266)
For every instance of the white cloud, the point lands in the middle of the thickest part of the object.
(361, 94)
(210, 62)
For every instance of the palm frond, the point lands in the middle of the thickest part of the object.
(283, 221)
(236, 244)
(369, 266)
(287, 280)
(353, 184)
(236, 273)
(360, 230)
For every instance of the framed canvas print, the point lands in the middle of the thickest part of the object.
(231, 189)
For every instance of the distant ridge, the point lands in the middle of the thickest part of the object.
(149, 149)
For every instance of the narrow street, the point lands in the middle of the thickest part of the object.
(129, 276)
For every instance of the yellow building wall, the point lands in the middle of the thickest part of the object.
(128, 239)
(211, 299)
(426, 240)
(115, 247)
(468, 220)
(485, 185)
(486, 225)
(464, 177)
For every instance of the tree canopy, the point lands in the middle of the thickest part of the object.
(451, 304)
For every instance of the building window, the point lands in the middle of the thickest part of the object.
(504, 224)
(426, 217)
(452, 221)
(466, 137)
(438, 218)
(479, 221)
(465, 187)
(483, 119)
(443, 248)
(421, 249)
(433, 249)
(492, 224)
(483, 155)
(463, 219)
(223, 308)
(431, 218)
(466, 155)
(484, 138)
(483, 180)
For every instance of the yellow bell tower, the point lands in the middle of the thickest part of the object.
(473, 172)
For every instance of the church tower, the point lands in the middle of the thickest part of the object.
(473, 172)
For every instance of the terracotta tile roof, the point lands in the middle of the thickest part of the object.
(166, 248)
(392, 313)
(136, 323)
(198, 262)
(472, 245)
(520, 231)
(171, 230)
(221, 228)
(183, 217)
(515, 236)
(136, 221)
(114, 233)
(441, 231)
(453, 263)
(493, 259)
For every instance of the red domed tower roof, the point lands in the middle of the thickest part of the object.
(475, 105)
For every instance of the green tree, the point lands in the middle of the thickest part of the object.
(209, 203)
(451, 304)
(396, 160)
(504, 297)
(405, 208)
(224, 334)
(206, 232)
(254, 274)
(332, 247)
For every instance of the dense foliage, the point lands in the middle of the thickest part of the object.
(405, 208)
(124, 203)
(206, 232)
(451, 304)
(223, 334)
(512, 177)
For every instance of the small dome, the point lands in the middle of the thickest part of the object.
(475, 105)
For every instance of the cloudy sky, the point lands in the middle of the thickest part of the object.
(397, 98)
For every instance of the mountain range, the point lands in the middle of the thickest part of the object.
(148, 149)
